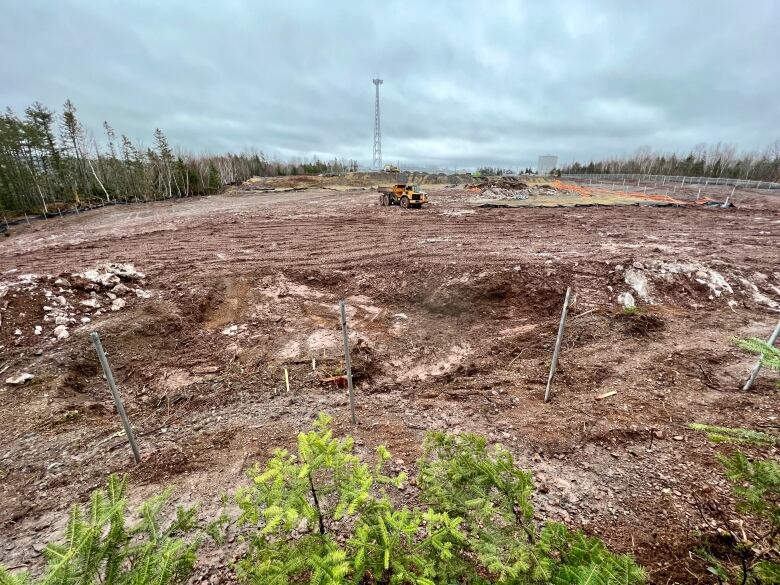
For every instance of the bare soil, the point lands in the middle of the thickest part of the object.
(453, 312)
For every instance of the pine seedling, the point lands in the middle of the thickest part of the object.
(462, 475)
(770, 355)
(734, 435)
(99, 548)
(753, 533)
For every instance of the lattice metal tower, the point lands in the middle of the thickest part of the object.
(377, 129)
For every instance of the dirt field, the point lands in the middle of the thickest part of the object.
(453, 311)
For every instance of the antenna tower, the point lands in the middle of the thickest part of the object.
(377, 129)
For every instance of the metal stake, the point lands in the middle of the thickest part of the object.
(347, 359)
(726, 202)
(558, 341)
(757, 367)
(115, 393)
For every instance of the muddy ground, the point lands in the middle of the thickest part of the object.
(453, 313)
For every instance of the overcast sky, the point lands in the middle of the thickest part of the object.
(465, 83)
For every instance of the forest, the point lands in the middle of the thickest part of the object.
(49, 161)
(718, 160)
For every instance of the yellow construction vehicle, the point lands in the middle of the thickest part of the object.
(404, 194)
(392, 169)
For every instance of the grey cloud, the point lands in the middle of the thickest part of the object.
(466, 83)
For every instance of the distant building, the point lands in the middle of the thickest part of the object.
(546, 164)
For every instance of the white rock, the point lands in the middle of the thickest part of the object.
(38, 330)
(232, 330)
(111, 296)
(18, 332)
(20, 379)
(120, 289)
(400, 316)
(91, 275)
(124, 271)
(118, 304)
(93, 303)
(638, 281)
(142, 294)
(85, 319)
(61, 320)
(627, 300)
(62, 282)
(101, 278)
(61, 332)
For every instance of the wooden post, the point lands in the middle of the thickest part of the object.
(347, 359)
(554, 363)
(120, 408)
(5, 219)
(757, 367)
(27, 219)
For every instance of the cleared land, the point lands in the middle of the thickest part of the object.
(453, 311)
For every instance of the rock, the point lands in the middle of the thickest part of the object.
(17, 332)
(38, 330)
(230, 330)
(400, 316)
(118, 304)
(62, 282)
(111, 296)
(38, 352)
(92, 303)
(20, 379)
(61, 332)
(102, 278)
(205, 369)
(627, 300)
(61, 320)
(658, 434)
(85, 320)
(120, 289)
(142, 294)
(678, 437)
(638, 281)
(124, 271)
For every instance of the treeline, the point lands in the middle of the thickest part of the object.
(494, 171)
(49, 161)
(716, 160)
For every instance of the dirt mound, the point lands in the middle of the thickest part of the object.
(639, 324)
(512, 183)
(475, 294)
